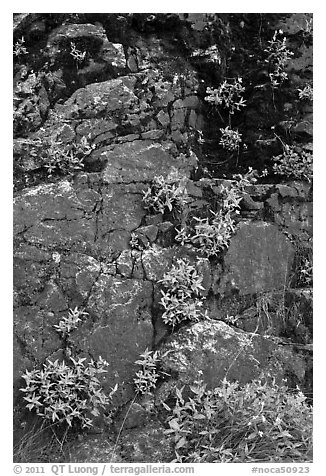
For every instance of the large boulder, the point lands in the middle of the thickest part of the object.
(87, 38)
(121, 309)
(142, 160)
(259, 259)
(211, 351)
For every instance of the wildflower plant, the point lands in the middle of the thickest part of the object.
(306, 94)
(61, 158)
(19, 48)
(231, 139)
(211, 235)
(278, 56)
(305, 272)
(261, 421)
(135, 242)
(245, 180)
(146, 378)
(181, 295)
(67, 324)
(294, 163)
(78, 55)
(67, 393)
(165, 194)
(228, 94)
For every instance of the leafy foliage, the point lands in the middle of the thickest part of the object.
(78, 55)
(212, 234)
(165, 194)
(65, 393)
(180, 301)
(305, 273)
(69, 391)
(135, 243)
(228, 94)
(147, 376)
(307, 93)
(62, 158)
(230, 139)
(261, 421)
(67, 324)
(278, 56)
(19, 48)
(294, 163)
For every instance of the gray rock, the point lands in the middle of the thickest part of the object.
(142, 160)
(94, 449)
(211, 351)
(259, 259)
(123, 329)
(147, 444)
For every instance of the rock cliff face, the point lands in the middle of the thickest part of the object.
(133, 109)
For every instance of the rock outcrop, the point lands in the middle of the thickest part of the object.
(133, 108)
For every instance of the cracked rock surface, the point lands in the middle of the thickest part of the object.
(138, 99)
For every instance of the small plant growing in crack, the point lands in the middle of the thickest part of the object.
(294, 162)
(145, 382)
(307, 93)
(146, 378)
(135, 243)
(61, 158)
(78, 55)
(231, 139)
(69, 323)
(69, 392)
(19, 48)
(232, 320)
(181, 298)
(211, 235)
(278, 56)
(166, 194)
(228, 94)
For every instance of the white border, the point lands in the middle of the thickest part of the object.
(319, 465)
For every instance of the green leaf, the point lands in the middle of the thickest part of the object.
(181, 443)
(174, 424)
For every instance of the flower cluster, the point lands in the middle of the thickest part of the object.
(210, 235)
(228, 94)
(67, 324)
(294, 163)
(278, 55)
(147, 376)
(165, 194)
(19, 48)
(78, 55)
(306, 94)
(180, 299)
(67, 393)
(230, 139)
(261, 421)
(61, 158)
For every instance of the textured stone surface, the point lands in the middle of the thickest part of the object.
(213, 350)
(102, 98)
(137, 100)
(122, 329)
(94, 449)
(141, 161)
(259, 259)
(86, 34)
(147, 444)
